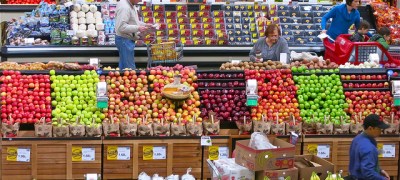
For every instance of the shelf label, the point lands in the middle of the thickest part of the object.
(205, 141)
(68, 4)
(83, 154)
(94, 61)
(213, 153)
(118, 153)
(323, 151)
(18, 154)
(387, 150)
(223, 152)
(154, 152)
(29, 41)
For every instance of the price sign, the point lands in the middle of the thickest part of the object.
(76, 153)
(12, 153)
(23, 154)
(147, 152)
(223, 152)
(124, 153)
(159, 152)
(213, 153)
(94, 61)
(205, 141)
(71, 33)
(387, 150)
(312, 149)
(323, 151)
(112, 152)
(29, 40)
(88, 154)
(236, 61)
(68, 4)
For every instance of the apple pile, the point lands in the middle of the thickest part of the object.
(160, 76)
(128, 95)
(320, 96)
(315, 63)
(267, 65)
(26, 98)
(304, 69)
(277, 92)
(363, 77)
(75, 96)
(368, 102)
(29, 1)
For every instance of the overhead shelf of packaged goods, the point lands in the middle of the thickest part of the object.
(17, 7)
(88, 51)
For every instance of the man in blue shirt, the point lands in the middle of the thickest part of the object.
(343, 16)
(364, 163)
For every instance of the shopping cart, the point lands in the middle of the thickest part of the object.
(165, 53)
(342, 50)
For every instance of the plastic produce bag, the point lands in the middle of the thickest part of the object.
(188, 176)
(157, 177)
(172, 177)
(144, 176)
(260, 141)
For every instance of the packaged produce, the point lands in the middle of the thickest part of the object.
(43, 129)
(244, 126)
(211, 127)
(324, 127)
(94, 129)
(60, 128)
(144, 176)
(145, 128)
(394, 126)
(128, 128)
(111, 128)
(9, 129)
(262, 126)
(194, 128)
(341, 127)
(277, 128)
(77, 129)
(161, 128)
(293, 126)
(356, 126)
(178, 129)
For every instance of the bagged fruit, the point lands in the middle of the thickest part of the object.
(72, 66)
(244, 127)
(145, 128)
(278, 128)
(394, 127)
(178, 129)
(340, 127)
(262, 126)
(161, 129)
(356, 127)
(43, 129)
(10, 129)
(309, 126)
(111, 129)
(93, 130)
(127, 128)
(293, 126)
(77, 129)
(211, 127)
(60, 129)
(194, 128)
(324, 127)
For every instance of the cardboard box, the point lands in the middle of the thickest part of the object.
(228, 169)
(312, 163)
(269, 159)
(278, 174)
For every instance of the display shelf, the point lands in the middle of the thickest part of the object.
(363, 81)
(317, 73)
(394, 78)
(220, 80)
(219, 71)
(58, 72)
(366, 89)
(17, 7)
(363, 71)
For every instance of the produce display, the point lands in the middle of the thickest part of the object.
(267, 65)
(51, 65)
(29, 1)
(364, 81)
(362, 65)
(387, 16)
(74, 96)
(320, 96)
(314, 63)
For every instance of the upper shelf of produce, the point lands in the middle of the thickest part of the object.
(17, 7)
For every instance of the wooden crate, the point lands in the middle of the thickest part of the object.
(51, 158)
(222, 141)
(182, 153)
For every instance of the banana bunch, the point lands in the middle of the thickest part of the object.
(314, 176)
(330, 177)
(287, 178)
(339, 175)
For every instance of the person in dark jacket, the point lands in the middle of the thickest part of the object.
(382, 37)
(364, 162)
(359, 35)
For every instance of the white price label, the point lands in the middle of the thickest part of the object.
(323, 151)
(94, 61)
(283, 58)
(29, 40)
(70, 32)
(88, 154)
(159, 152)
(389, 150)
(223, 152)
(23, 154)
(124, 153)
(68, 4)
(206, 141)
(236, 61)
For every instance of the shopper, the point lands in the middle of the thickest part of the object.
(127, 27)
(343, 16)
(364, 164)
(382, 37)
(271, 46)
(359, 35)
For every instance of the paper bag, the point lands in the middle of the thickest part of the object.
(161, 129)
(128, 129)
(394, 127)
(309, 128)
(342, 128)
(194, 128)
(11, 129)
(262, 126)
(111, 128)
(61, 129)
(211, 127)
(77, 129)
(278, 129)
(244, 126)
(297, 128)
(178, 129)
(42, 129)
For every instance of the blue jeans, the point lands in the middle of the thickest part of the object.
(126, 52)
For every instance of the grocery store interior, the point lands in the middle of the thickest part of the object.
(206, 100)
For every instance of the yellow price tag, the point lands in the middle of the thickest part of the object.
(12, 153)
(213, 153)
(192, 21)
(159, 33)
(171, 38)
(191, 14)
(206, 32)
(312, 149)
(194, 32)
(221, 42)
(112, 152)
(217, 26)
(183, 41)
(147, 152)
(201, 13)
(208, 41)
(168, 13)
(380, 147)
(76, 153)
(169, 20)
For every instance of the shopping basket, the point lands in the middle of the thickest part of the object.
(165, 53)
(342, 50)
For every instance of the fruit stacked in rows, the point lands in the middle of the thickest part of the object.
(368, 102)
(75, 96)
(277, 93)
(320, 96)
(371, 81)
(159, 77)
(25, 98)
